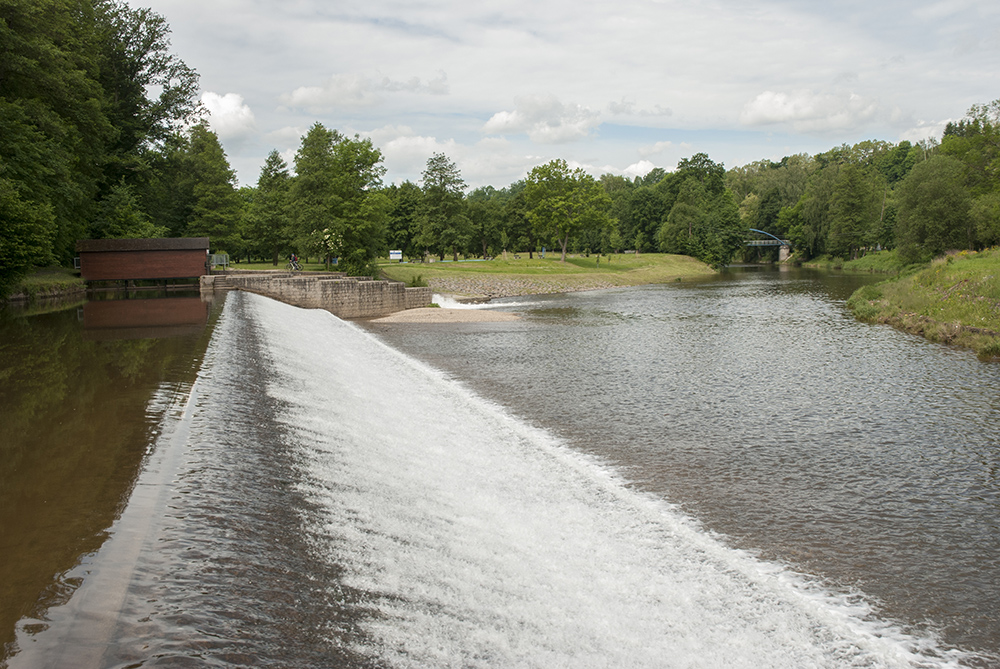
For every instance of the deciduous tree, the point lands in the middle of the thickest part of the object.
(563, 202)
(335, 199)
(444, 225)
(933, 209)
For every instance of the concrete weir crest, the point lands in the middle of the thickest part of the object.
(344, 296)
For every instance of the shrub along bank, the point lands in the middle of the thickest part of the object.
(956, 300)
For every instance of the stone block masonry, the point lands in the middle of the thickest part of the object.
(345, 297)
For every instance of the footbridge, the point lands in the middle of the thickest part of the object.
(785, 250)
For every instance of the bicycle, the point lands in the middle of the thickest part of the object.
(293, 266)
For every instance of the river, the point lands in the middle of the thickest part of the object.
(722, 472)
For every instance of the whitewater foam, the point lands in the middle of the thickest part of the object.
(483, 541)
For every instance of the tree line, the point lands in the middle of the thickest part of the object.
(102, 136)
(919, 199)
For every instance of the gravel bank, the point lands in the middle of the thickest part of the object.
(511, 286)
(435, 315)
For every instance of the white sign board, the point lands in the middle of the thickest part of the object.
(395, 255)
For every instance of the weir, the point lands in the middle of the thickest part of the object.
(344, 296)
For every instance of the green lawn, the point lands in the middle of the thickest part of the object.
(620, 270)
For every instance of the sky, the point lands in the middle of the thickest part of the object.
(617, 86)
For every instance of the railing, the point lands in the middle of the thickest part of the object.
(768, 242)
(774, 241)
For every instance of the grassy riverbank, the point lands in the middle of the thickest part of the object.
(504, 278)
(881, 262)
(47, 282)
(956, 300)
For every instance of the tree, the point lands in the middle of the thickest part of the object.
(443, 223)
(975, 141)
(337, 207)
(52, 126)
(121, 216)
(615, 240)
(363, 209)
(268, 221)
(704, 220)
(853, 212)
(710, 174)
(645, 211)
(521, 233)
(564, 202)
(150, 92)
(676, 235)
(933, 213)
(216, 209)
(313, 201)
(403, 224)
(485, 213)
(808, 221)
(25, 229)
(985, 214)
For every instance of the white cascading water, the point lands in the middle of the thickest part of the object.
(485, 542)
(447, 302)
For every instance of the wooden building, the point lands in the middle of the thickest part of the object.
(132, 259)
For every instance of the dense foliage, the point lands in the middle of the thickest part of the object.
(79, 128)
(921, 200)
(101, 135)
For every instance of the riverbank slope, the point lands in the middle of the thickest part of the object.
(46, 283)
(954, 301)
(523, 276)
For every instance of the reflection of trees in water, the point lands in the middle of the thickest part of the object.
(75, 429)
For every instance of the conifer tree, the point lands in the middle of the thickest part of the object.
(268, 220)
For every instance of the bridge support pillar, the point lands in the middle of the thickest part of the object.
(784, 253)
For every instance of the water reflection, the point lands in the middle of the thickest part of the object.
(145, 318)
(78, 418)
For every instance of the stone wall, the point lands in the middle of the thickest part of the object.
(346, 297)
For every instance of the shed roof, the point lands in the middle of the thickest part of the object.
(161, 244)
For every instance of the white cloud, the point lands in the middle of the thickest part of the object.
(544, 120)
(639, 169)
(359, 90)
(807, 111)
(406, 152)
(287, 134)
(288, 155)
(655, 149)
(924, 130)
(629, 108)
(741, 79)
(230, 117)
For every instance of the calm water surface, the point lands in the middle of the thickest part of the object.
(81, 405)
(723, 473)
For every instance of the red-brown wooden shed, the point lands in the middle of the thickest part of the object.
(126, 259)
